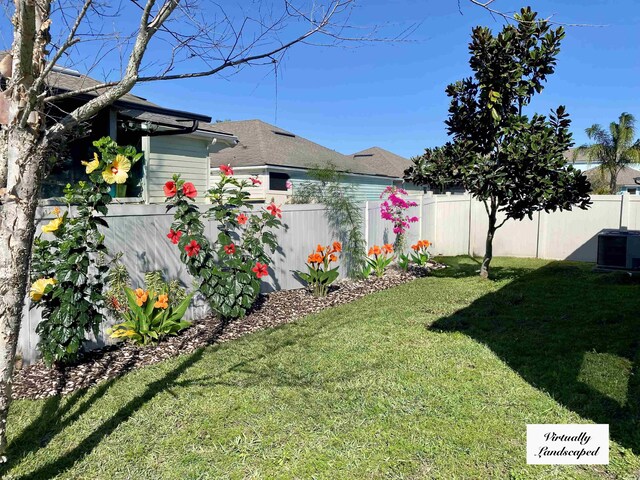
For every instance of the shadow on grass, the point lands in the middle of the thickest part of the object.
(463, 267)
(50, 417)
(51, 421)
(567, 331)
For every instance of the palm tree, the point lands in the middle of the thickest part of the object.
(615, 148)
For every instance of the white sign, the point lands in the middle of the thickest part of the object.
(567, 444)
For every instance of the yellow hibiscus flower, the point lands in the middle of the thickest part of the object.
(93, 164)
(53, 225)
(116, 171)
(39, 286)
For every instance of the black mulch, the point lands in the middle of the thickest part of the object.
(277, 308)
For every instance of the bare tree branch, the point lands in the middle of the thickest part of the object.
(229, 60)
(508, 16)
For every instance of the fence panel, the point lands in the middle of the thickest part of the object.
(451, 217)
(572, 235)
(455, 224)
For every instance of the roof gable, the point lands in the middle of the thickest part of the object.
(384, 161)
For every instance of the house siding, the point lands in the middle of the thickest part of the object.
(362, 187)
(168, 155)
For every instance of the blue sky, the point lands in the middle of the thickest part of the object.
(392, 95)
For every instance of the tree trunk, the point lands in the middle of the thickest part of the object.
(613, 181)
(488, 251)
(17, 214)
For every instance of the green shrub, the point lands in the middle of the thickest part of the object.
(156, 282)
(117, 279)
(228, 269)
(68, 277)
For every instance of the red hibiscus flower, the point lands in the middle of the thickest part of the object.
(169, 188)
(274, 210)
(255, 181)
(174, 236)
(192, 248)
(260, 270)
(226, 170)
(189, 190)
(230, 249)
(242, 219)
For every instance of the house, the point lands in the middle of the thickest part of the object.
(173, 141)
(625, 181)
(281, 160)
(591, 168)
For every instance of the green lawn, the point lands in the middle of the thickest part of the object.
(433, 379)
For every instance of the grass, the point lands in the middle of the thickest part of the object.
(433, 379)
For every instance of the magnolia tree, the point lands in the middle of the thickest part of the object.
(513, 164)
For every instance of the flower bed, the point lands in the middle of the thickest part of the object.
(277, 308)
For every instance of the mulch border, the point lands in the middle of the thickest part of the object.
(272, 309)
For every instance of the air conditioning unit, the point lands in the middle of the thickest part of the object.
(619, 249)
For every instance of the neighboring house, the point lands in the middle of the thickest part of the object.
(580, 160)
(173, 141)
(276, 157)
(591, 168)
(625, 180)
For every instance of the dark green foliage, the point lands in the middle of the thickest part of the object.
(229, 281)
(343, 212)
(72, 308)
(512, 163)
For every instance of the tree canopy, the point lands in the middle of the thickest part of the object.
(512, 163)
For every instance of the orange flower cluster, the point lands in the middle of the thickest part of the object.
(325, 253)
(421, 244)
(377, 250)
(162, 302)
(141, 296)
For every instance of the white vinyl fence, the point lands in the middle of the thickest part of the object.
(455, 224)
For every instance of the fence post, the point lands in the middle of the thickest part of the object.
(625, 211)
(420, 207)
(538, 235)
(470, 226)
(366, 225)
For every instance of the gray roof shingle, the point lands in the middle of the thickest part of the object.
(263, 144)
(625, 177)
(384, 161)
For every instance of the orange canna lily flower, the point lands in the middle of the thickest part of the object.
(162, 302)
(319, 248)
(337, 247)
(141, 296)
(387, 248)
(314, 258)
(333, 258)
(375, 250)
(415, 247)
